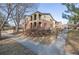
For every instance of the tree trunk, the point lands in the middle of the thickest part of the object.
(17, 28)
(0, 33)
(17, 18)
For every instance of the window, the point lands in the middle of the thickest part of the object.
(39, 16)
(34, 24)
(39, 24)
(31, 18)
(31, 25)
(34, 16)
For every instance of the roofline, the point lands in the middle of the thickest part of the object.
(43, 14)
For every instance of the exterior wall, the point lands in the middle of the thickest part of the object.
(54, 24)
(45, 21)
(44, 25)
(46, 17)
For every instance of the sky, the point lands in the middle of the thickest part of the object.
(54, 9)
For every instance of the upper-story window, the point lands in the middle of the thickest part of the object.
(34, 16)
(39, 16)
(31, 18)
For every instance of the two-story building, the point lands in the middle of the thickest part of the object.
(39, 21)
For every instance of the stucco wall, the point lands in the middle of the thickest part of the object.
(46, 22)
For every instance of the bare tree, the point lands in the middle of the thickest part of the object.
(5, 8)
(16, 12)
(1, 21)
(20, 11)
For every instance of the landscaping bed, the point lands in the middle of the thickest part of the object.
(37, 33)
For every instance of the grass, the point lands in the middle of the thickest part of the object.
(72, 44)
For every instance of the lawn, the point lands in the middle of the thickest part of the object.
(72, 43)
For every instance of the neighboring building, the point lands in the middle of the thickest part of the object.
(40, 21)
